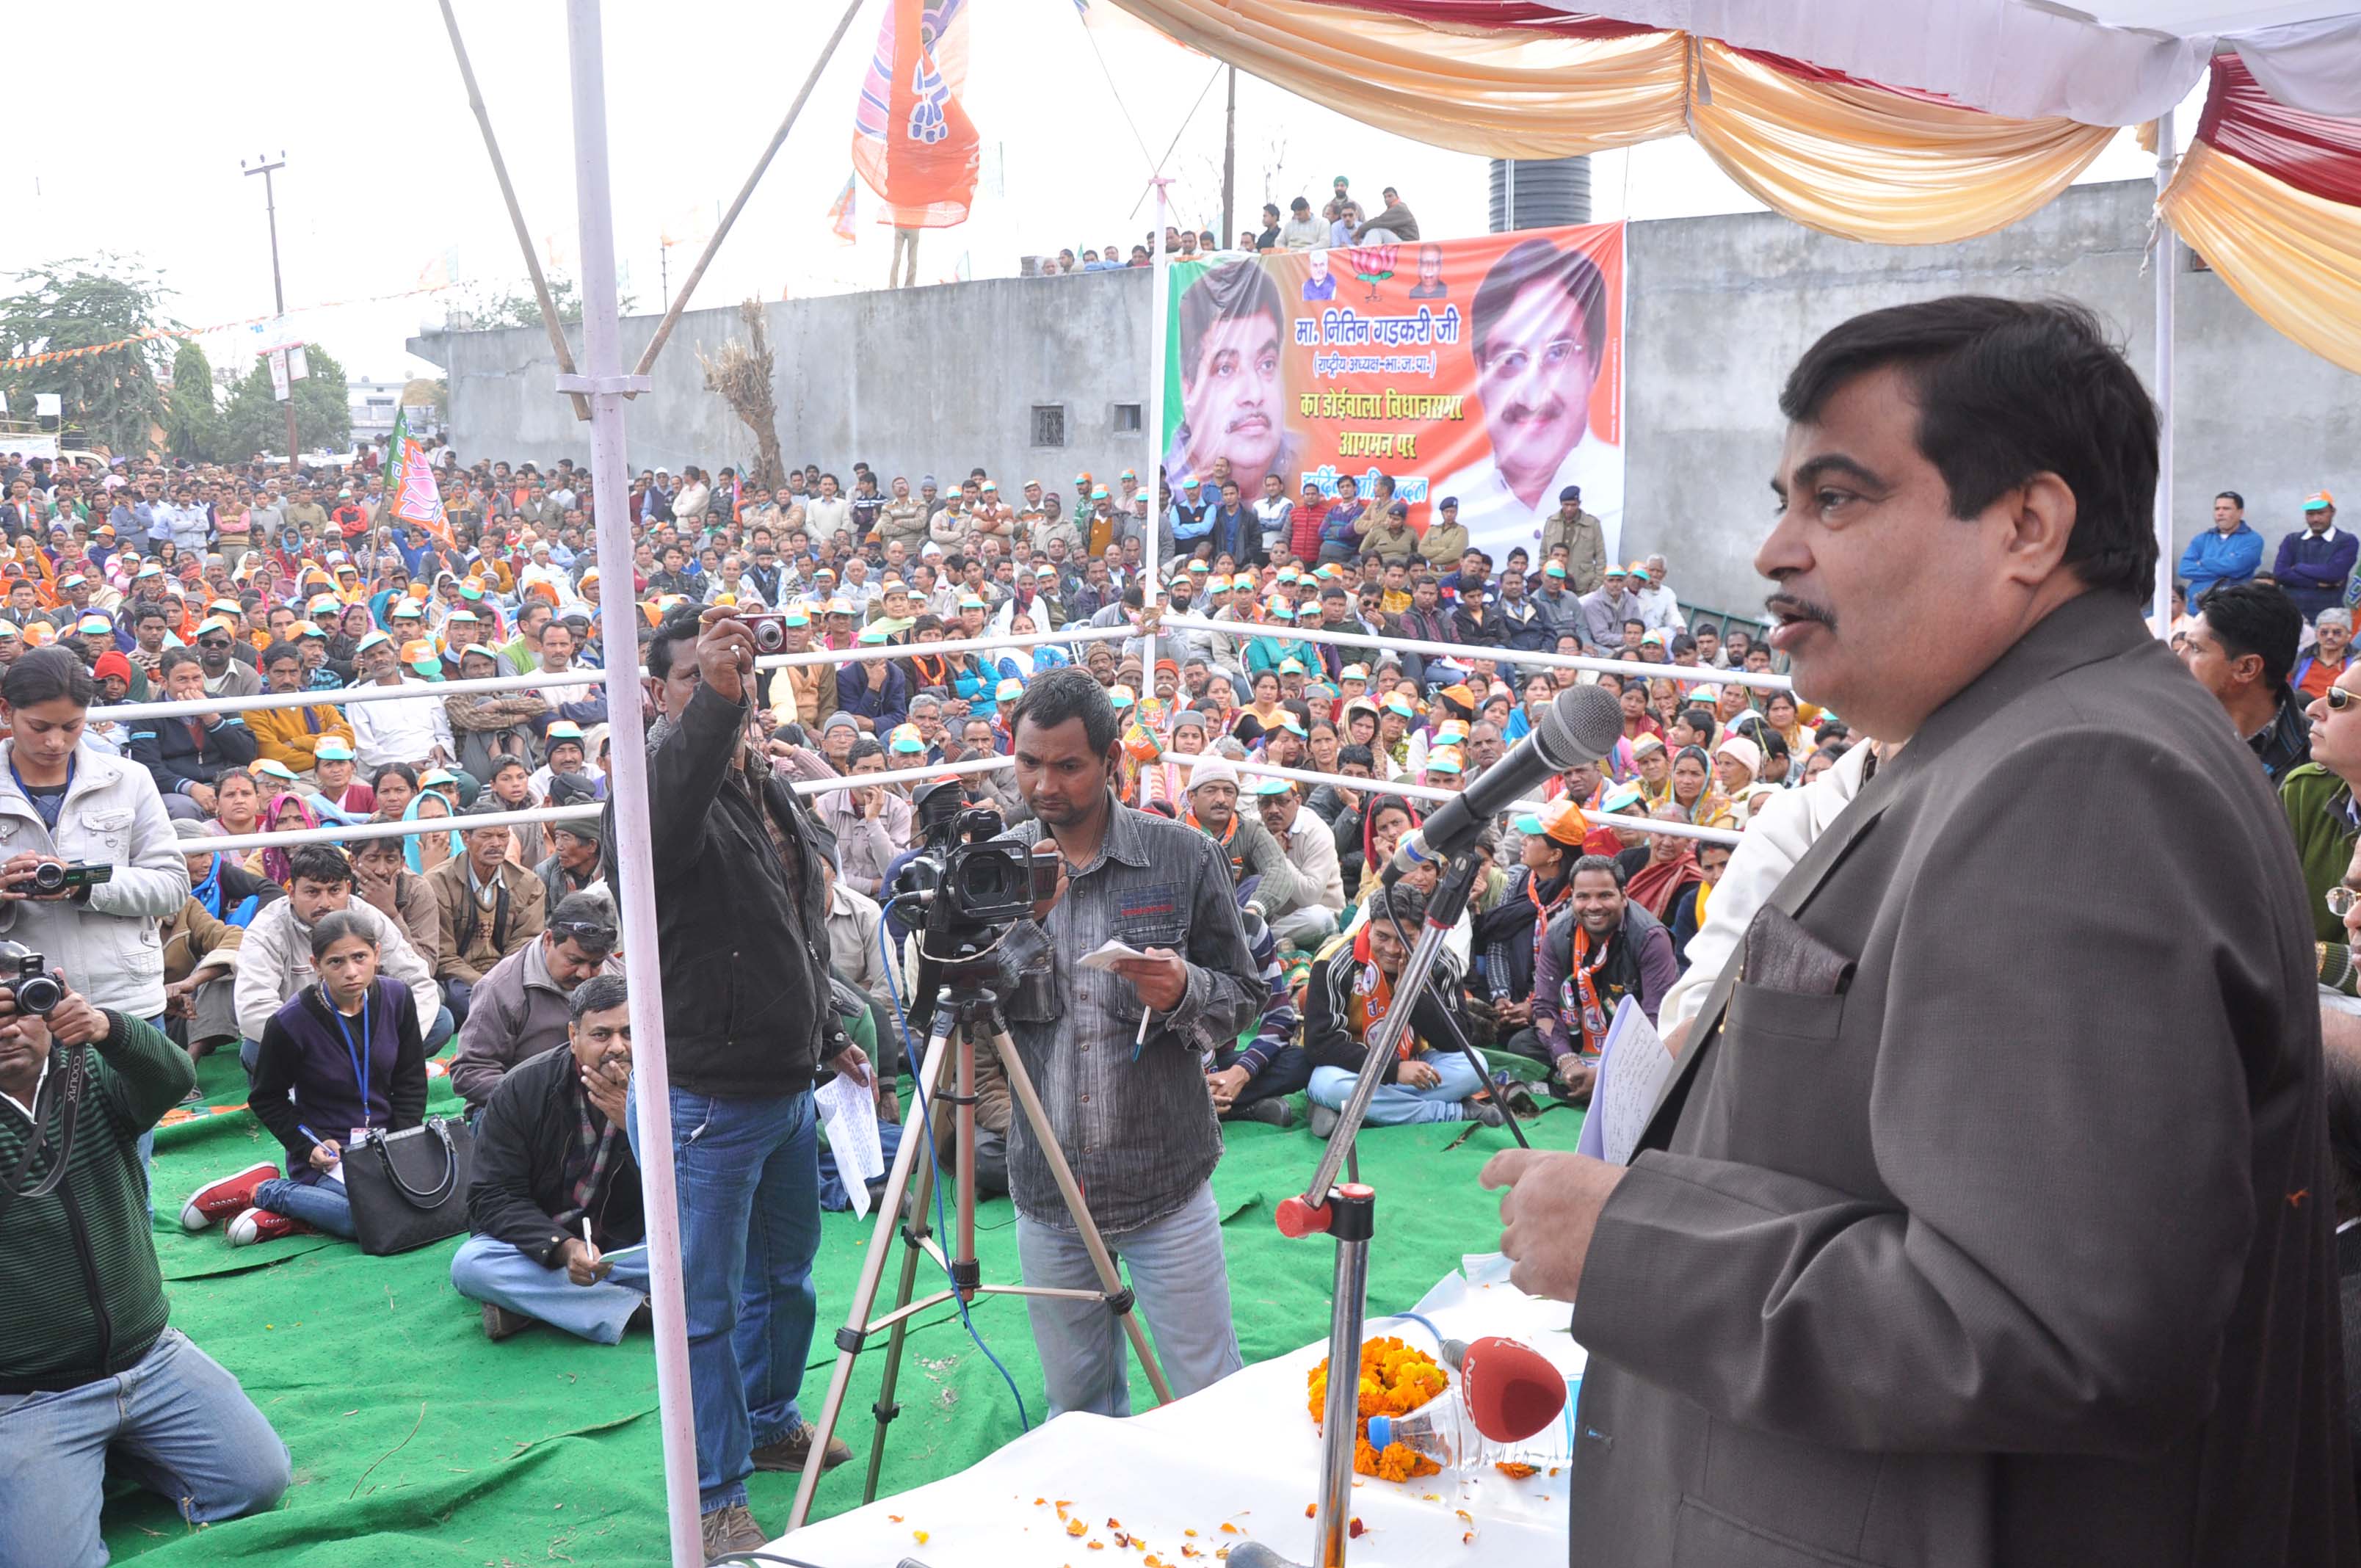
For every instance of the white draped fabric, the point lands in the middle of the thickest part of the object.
(2030, 61)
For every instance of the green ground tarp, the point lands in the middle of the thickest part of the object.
(415, 1441)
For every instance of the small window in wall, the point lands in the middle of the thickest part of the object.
(1048, 424)
(1127, 419)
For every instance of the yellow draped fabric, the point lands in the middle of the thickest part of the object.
(2293, 256)
(1855, 161)
(1868, 164)
(1496, 95)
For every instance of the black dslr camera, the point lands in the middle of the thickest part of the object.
(26, 976)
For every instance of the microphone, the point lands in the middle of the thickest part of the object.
(1511, 1389)
(1581, 725)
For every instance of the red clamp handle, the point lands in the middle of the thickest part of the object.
(1298, 1219)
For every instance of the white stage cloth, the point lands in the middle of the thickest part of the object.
(1243, 1453)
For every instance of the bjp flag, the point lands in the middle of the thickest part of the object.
(912, 142)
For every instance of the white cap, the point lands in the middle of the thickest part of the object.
(1214, 770)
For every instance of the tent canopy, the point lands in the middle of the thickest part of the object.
(1875, 122)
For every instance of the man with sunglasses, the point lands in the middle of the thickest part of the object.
(518, 1010)
(225, 675)
(2317, 798)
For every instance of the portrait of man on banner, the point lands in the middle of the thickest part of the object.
(1539, 325)
(1488, 371)
(1233, 378)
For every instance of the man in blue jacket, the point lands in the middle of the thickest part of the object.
(2228, 552)
(2316, 562)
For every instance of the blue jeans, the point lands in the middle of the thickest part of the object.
(747, 1173)
(176, 1423)
(323, 1205)
(1174, 1263)
(485, 1269)
(1397, 1105)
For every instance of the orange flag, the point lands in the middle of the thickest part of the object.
(912, 142)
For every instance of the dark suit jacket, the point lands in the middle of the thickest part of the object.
(2018, 1252)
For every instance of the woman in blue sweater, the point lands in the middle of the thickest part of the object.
(342, 1055)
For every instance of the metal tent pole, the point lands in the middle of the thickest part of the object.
(628, 782)
(1151, 478)
(2167, 271)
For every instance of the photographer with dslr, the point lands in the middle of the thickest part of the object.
(1117, 1056)
(92, 1380)
(740, 912)
(98, 820)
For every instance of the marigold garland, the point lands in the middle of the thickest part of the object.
(1395, 1379)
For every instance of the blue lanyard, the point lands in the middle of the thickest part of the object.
(360, 1060)
(35, 799)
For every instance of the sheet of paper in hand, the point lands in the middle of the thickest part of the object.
(1632, 1067)
(849, 1111)
(1106, 954)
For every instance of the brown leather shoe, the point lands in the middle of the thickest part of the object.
(793, 1452)
(729, 1531)
(500, 1324)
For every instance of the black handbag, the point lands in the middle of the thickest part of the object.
(408, 1189)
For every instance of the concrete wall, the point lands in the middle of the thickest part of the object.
(943, 378)
(1720, 308)
(918, 380)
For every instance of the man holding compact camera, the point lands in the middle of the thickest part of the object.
(743, 956)
(92, 1380)
(1117, 1054)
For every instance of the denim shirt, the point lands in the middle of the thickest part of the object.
(1140, 1134)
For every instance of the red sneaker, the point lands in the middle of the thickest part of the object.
(225, 1199)
(262, 1225)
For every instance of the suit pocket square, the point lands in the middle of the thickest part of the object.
(1782, 956)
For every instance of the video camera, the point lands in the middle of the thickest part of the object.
(53, 876)
(963, 887)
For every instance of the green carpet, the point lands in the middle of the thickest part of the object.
(416, 1441)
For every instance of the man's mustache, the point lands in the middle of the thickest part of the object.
(1549, 407)
(1790, 606)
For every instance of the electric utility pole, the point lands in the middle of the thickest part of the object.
(1229, 234)
(278, 291)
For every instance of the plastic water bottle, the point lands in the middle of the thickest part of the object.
(1442, 1431)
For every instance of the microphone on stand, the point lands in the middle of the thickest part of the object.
(1511, 1389)
(1581, 725)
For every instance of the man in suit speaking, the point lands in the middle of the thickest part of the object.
(1984, 1219)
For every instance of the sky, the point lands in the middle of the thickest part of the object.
(387, 187)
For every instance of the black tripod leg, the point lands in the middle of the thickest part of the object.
(1482, 1075)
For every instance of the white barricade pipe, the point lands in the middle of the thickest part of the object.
(932, 649)
(1686, 674)
(916, 775)
(1428, 792)
(368, 691)
(351, 832)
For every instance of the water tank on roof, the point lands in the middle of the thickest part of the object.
(1552, 193)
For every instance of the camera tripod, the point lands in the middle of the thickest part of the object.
(965, 1012)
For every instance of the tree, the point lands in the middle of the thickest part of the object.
(482, 310)
(113, 397)
(739, 375)
(191, 425)
(253, 421)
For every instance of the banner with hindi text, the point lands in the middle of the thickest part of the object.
(1490, 370)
